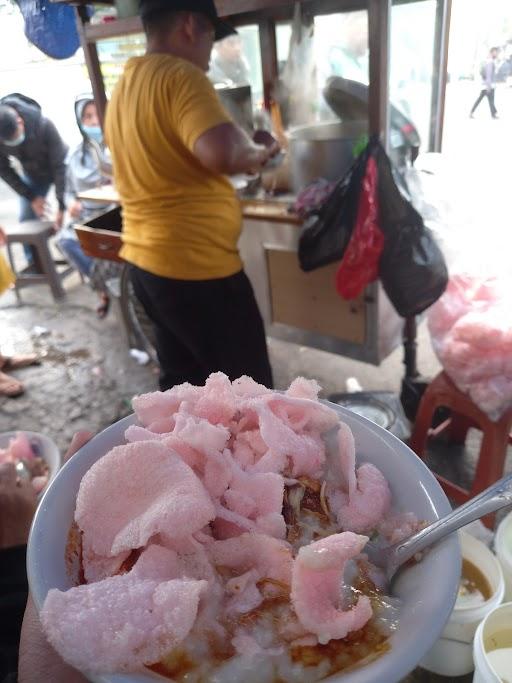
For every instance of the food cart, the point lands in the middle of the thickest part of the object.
(304, 307)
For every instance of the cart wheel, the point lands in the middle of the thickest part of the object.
(138, 325)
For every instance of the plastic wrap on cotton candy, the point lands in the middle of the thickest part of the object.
(471, 330)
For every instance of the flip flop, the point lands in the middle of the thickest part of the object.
(10, 387)
(104, 307)
(19, 361)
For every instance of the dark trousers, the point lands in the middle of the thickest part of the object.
(490, 96)
(203, 327)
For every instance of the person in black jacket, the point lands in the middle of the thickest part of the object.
(32, 139)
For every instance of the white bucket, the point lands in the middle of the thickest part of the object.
(452, 654)
(498, 621)
(503, 547)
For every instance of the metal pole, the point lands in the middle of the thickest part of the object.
(379, 21)
(93, 63)
(439, 74)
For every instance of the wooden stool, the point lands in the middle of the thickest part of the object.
(442, 392)
(37, 235)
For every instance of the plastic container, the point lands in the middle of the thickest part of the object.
(452, 654)
(497, 623)
(47, 449)
(503, 547)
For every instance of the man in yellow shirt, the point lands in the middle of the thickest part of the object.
(172, 145)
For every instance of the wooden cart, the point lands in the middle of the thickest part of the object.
(296, 306)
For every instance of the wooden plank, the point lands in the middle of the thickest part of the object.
(309, 301)
(266, 210)
(93, 63)
(379, 12)
(113, 29)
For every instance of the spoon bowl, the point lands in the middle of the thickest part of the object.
(391, 558)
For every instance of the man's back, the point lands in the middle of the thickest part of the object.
(179, 219)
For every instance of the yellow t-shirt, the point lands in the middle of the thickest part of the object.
(179, 219)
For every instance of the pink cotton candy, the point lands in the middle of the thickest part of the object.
(474, 342)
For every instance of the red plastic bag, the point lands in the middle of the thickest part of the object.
(360, 263)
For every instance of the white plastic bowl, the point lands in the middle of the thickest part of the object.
(47, 449)
(428, 589)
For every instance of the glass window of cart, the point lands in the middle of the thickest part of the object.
(411, 66)
(337, 46)
(114, 53)
(235, 70)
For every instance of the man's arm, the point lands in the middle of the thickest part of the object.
(9, 175)
(57, 151)
(228, 149)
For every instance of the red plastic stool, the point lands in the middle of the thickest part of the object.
(442, 392)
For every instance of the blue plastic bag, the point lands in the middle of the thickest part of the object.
(50, 27)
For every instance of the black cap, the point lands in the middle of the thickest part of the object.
(8, 122)
(206, 7)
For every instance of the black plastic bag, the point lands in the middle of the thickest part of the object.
(412, 268)
(326, 233)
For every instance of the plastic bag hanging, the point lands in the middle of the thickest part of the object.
(412, 267)
(326, 233)
(51, 27)
(297, 90)
(360, 263)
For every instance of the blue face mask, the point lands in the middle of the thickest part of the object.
(93, 132)
(17, 141)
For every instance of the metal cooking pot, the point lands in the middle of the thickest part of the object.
(323, 150)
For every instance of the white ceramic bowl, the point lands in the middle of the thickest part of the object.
(47, 449)
(428, 589)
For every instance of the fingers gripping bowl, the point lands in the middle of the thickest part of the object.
(426, 591)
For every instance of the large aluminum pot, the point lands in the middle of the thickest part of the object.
(323, 150)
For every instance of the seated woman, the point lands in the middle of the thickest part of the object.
(88, 168)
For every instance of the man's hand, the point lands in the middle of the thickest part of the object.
(40, 206)
(18, 501)
(229, 150)
(75, 209)
(38, 661)
(59, 220)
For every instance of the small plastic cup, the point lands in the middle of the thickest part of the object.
(503, 547)
(499, 621)
(452, 654)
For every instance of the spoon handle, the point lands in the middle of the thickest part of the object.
(497, 496)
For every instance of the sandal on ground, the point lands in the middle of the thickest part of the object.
(19, 361)
(104, 306)
(10, 387)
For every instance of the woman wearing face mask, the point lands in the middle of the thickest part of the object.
(88, 168)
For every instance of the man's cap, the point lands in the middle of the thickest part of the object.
(206, 7)
(8, 123)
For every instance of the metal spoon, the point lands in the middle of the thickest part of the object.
(392, 557)
(23, 471)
